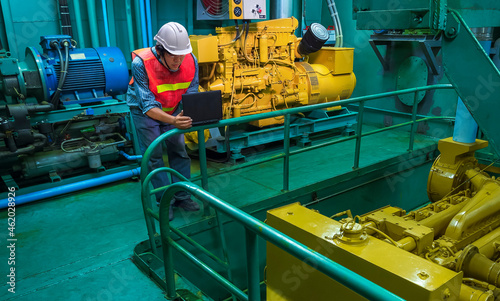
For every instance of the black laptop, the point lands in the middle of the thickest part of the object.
(203, 107)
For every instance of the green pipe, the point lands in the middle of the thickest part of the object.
(359, 134)
(154, 17)
(337, 272)
(79, 24)
(413, 124)
(130, 29)
(202, 153)
(111, 23)
(138, 28)
(222, 281)
(222, 236)
(253, 280)
(94, 33)
(286, 161)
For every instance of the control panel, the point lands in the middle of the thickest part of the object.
(247, 9)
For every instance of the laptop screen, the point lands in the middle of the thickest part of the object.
(203, 107)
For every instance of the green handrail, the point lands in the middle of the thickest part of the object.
(255, 227)
(146, 177)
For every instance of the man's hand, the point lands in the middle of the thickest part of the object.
(182, 122)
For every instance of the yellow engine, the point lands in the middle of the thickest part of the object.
(448, 250)
(255, 68)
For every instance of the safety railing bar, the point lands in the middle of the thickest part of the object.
(413, 125)
(153, 214)
(252, 265)
(192, 242)
(340, 140)
(359, 135)
(286, 162)
(146, 181)
(337, 272)
(222, 236)
(220, 279)
(244, 119)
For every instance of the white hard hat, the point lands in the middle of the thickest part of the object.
(174, 38)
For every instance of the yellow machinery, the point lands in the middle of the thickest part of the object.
(255, 68)
(447, 250)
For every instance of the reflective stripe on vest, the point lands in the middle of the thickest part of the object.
(172, 87)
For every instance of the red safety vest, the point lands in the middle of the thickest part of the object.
(167, 86)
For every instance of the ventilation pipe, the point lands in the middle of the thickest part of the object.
(465, 130)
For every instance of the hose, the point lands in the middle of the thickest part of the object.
(64, 71)
(339, 39)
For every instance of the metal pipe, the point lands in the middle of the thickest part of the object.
(143, 24)
(337, 272)
(413, 124)
(129, 157)
(253, 281)
(105, 20)
(79, 24)
(130, 29)
(52, 192)
(148, 19)
(286, 161)
(94, 33)
(111, 22)
(465, 130)
(138, 28)
(281, 9)
(358, 136)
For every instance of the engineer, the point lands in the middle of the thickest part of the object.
(160, 75)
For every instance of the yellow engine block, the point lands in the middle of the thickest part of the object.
(448, 250)
(258, 72)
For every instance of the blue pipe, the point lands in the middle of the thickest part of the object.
(143, 24)
(129, 157)
(106, 25)
(52, 192)
(148, 18)
(465, 130)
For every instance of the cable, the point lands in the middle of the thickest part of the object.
(64, 65)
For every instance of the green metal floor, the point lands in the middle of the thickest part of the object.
(78, 246)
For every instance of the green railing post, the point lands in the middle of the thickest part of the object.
(413, 124)
(359, 134)
(252, 266)
(286, 162)
(203, 166)
(168, 260)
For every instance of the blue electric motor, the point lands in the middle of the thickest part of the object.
(88, 74)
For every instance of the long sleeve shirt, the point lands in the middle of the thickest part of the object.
(139, 95)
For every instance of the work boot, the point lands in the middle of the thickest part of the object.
(188, 205)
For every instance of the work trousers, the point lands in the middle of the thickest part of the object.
(148, 130)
